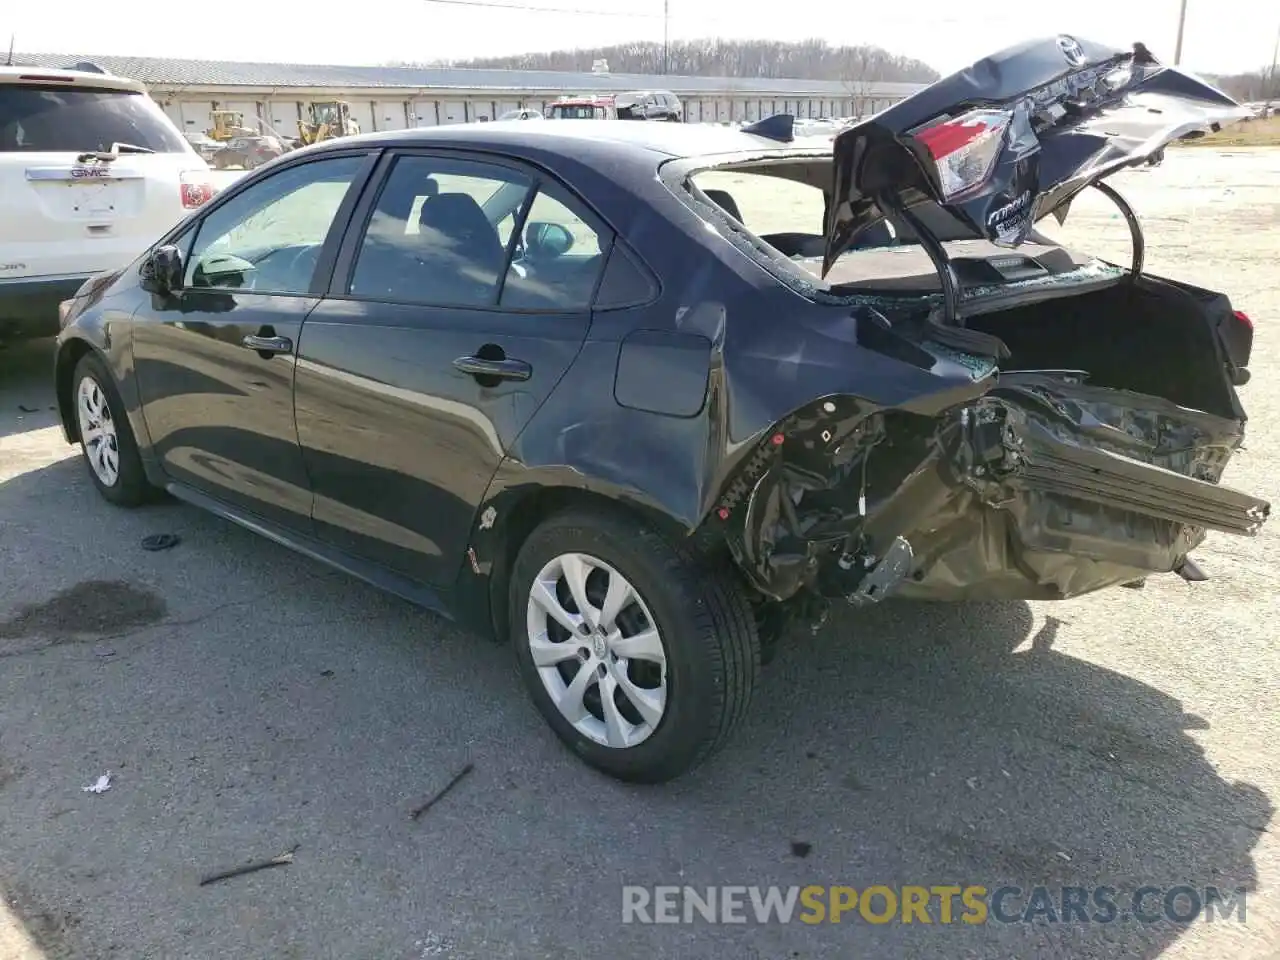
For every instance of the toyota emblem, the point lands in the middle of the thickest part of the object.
(1072, 50)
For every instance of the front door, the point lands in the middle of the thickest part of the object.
(466, 299)
(215, 361)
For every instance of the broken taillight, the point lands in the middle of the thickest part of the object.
(965, 149)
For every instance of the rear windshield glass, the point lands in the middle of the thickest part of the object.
(42, 119)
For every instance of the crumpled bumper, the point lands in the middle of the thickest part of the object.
(1042, 488)
(1048, 489)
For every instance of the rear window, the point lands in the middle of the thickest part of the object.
(44, 119)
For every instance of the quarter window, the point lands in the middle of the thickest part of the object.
(268, 239)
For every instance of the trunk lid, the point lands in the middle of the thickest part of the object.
(1013, 138)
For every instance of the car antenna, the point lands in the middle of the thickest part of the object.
(9, 62)
(780, 127)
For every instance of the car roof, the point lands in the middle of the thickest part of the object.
(585, 137)
(76, 79)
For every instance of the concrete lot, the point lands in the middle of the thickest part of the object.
(247, 700)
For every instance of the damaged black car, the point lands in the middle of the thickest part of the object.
(639, 398)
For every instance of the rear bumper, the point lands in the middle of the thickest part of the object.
(1043, 488)
(1054, 490)
(29, 306)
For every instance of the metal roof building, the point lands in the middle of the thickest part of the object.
(384, 98)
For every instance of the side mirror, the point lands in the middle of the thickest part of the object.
(162, 273)
(547, 241)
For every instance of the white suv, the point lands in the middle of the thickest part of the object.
(91, 172)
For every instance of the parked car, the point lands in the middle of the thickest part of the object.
(639, 105)
(523, 113)
(203, 144)
(248, 152)
(582, 108)
(91, 172)
(565, 390)
(649, 105)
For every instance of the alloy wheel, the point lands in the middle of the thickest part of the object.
(98, 431)
(597, 650)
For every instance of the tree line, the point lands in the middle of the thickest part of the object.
(1260, 84)
(761, 59)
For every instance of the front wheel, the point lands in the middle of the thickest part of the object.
(640, 655)
(106, 439)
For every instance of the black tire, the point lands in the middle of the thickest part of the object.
(130, 487)
(702, 614)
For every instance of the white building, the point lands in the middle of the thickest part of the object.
(393, 98)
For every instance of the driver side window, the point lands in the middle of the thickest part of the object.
(268, 238)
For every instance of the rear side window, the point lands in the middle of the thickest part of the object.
(45, 119)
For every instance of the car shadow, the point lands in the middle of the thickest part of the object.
(26, 384)
(902, 744)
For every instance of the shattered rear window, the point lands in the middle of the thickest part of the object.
(777, 213)
(769, 205)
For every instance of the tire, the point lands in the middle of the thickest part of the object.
(97, 403)
(706, 634)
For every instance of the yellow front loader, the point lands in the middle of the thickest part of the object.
(227, 124)
(328, 120)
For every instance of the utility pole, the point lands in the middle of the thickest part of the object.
(1182, 22)
(666, 35)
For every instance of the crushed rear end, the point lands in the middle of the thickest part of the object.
(1072, 431)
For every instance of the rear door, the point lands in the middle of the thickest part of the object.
(457, 305)
(65, 211)
(215, 362)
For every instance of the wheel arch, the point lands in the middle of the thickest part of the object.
(517, 511)
(70, 352)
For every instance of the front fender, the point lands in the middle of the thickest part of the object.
(105, 329)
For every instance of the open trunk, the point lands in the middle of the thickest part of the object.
(1082, 443)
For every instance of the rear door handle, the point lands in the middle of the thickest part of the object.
(505, 369)
(268, 344)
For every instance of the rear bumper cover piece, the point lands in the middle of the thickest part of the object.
(1071, 488)
(1043, 489)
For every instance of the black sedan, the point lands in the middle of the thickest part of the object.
(641, 396)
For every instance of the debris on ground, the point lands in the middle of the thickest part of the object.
(280, 861)
(445, 789)
(801, 848)
(101, 785)
(160, 541)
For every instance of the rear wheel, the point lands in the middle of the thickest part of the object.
(106, 439)
(641, 656)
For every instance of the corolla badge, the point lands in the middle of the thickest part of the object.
(1072, 50)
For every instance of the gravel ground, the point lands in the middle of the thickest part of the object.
(246, 700)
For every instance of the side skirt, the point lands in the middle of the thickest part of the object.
(371, 573)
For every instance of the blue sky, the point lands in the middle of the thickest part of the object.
(1221, 36)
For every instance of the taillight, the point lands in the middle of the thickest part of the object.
(1243, 318)
(965, 149)
(196, 189)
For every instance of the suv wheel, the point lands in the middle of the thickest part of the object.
(641, 656)
(106, 439)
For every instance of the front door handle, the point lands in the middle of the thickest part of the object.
(505, 369)
(269, 345)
